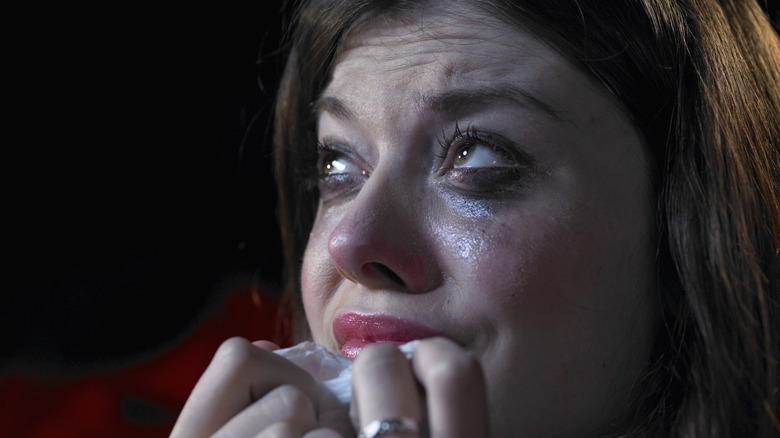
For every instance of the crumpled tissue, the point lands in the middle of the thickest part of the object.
(333, 373)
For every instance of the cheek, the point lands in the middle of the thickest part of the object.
(574, 258)
(566, 308)
(319, 279)
(506, 259)
(536, 264)
(551, 282)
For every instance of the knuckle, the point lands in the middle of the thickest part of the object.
(294, 398)
(455, 371)
(378, 356)
(329, 433)
(280, 429)
(322, 433)
(234, 352)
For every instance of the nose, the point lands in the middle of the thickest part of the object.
(380, 242)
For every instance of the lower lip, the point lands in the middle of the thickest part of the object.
(354, 331)
(352, 348)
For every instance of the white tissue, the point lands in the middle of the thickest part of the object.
(333, 373)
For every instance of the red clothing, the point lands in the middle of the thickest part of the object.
(141, 400)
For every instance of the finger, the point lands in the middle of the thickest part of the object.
(239, 374)
(281, 429)
(284, 408)
(322, 433)
(266, 345)
(384, 386)
(454, 388)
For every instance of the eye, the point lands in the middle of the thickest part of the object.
(474, 149)
(471, 154)
(338, 173)
(335, 163)
(480, 162)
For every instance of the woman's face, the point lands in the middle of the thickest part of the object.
(475, 184)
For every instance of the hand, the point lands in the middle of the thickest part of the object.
(248, 391)
(449, 400)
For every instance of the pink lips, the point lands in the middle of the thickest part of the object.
(354, 331)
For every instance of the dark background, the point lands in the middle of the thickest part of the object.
(138, 177)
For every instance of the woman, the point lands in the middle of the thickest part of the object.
(574, 204)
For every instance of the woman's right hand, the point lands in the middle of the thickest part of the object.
(248, 391)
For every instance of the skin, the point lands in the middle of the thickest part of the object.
(547, 280)
(533, 255)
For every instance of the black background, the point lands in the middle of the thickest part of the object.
(138, 177)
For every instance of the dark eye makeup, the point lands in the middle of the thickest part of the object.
(471, 161)
(479, 161)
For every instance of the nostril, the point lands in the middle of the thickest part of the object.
(387, 273)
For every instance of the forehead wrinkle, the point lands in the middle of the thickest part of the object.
(405, 68)
(445, 95)
(389, 41)
(410, 51)
(429, 23)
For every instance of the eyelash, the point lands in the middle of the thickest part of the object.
(475, 180)
(323, 151)
(471, 134)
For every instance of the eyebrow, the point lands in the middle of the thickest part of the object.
(454, 102)
(333, 105)
(458, 101)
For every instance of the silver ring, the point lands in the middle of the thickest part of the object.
(391, 425)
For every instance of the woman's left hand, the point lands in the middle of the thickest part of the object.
(442, 389)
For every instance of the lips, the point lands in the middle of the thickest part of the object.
(354, 331)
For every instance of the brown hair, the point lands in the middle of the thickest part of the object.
(701, 81)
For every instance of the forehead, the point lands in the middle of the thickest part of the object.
(432, 31)
(432, 49)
